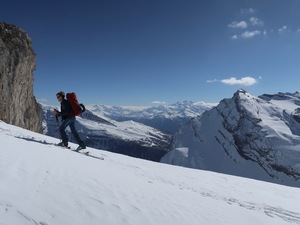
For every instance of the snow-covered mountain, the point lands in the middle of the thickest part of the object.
(41, 184)
(167, 118)
(256, 137)
(126, 137)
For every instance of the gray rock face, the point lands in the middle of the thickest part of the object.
(18, 105)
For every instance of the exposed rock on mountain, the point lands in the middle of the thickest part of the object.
(18, 105)
(256, 137)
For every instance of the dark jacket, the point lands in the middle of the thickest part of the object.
(65, 110)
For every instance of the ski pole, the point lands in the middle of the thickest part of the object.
(57, 130)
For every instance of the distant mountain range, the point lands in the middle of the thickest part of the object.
(167, 118)
(255, 137)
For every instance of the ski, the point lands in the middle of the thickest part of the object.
(89, 154)
(86, 153)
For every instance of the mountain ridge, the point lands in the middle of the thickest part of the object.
(245, 135)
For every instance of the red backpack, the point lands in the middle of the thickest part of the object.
(77, 108)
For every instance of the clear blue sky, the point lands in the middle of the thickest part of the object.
(134, 52)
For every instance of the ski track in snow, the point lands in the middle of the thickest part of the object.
(42, 184)
(289, 216)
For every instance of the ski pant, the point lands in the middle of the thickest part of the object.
(62, 129)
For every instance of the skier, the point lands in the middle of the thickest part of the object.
(67, 120)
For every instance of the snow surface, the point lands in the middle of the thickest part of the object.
(41, 184)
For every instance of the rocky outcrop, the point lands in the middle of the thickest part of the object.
(18, 105)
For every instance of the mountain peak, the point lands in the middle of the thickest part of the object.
(241, 91)
(241, 94)
(256, 137)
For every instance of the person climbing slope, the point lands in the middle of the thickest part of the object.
(68, 119)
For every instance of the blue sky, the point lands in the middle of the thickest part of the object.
(135, 52)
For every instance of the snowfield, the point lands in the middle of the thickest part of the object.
(41, 184)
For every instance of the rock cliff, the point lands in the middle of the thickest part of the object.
(18, 105)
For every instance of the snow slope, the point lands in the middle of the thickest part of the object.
(255, 137)
(41, 184)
